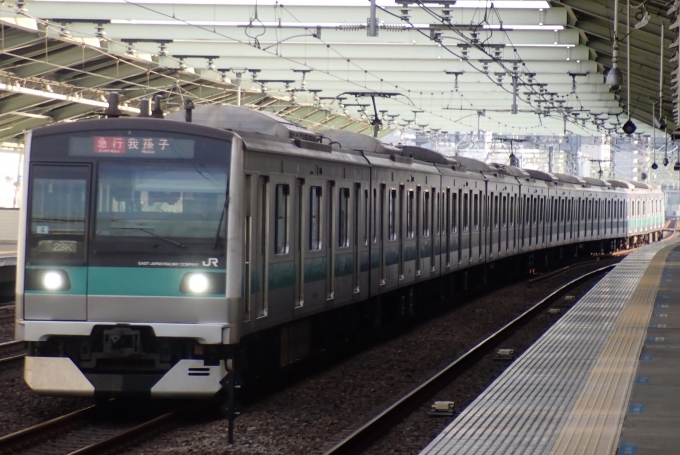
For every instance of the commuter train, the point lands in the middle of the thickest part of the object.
(157, 254)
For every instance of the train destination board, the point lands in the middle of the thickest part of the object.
(132, 147)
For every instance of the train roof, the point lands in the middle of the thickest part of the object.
(423, 154)
(240, 119)
(472, 164)
(356, 141)
(621, 184)
(596, 182)
(566, 178)
(642, 185)
(540, 175)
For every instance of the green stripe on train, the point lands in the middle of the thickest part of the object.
(150, 282)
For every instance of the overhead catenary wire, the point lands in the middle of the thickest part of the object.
(327, 72)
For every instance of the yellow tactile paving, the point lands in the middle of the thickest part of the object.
(594, 424)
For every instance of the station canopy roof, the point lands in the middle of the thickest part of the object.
(435, 66)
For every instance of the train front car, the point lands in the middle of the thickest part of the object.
(131, 275)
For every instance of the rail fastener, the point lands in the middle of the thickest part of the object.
(505, 354)
(442, 409)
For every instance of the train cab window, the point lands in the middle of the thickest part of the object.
(475, 211)
(426, 215)
(58, 211)
(281, 219)
(343, 219)
(392, 215)
(315, 218)
(466, 211)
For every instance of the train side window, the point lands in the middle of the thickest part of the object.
(367, 233)
(569, 208)
(511, 211)
(454, 212)
(475, 211)
(375, 216)
(426, 215)
(504, 207)
(495, 212)
(534, 210)
(281, 217)
(392, 215)
(466, 209)
(409, 214)
(527, 210)
(343, 219)
(315, 218)
(440, 218)
(555, 214)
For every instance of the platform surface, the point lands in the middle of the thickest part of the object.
(572, 390)
(8, 254)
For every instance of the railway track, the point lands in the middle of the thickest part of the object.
(372, 430)
(95, 429)
(12, 351)
(6, 312)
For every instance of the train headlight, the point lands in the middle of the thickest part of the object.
(47, 280)
(52, 280)
(206, 283)
(198, 283)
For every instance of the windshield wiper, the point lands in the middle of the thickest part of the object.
(169, 240)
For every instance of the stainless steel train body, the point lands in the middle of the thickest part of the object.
(151, 248)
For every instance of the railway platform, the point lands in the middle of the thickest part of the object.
(603, 380)
(8, 261)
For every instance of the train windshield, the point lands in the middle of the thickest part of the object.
(171, 201)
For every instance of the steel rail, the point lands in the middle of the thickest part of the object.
(12, 347)
(29, 435)
(378, 425)
(127, 435)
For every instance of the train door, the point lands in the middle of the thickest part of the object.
(357, 240)
(400, 230)
(382, 243)
(475, 231)
(503, 230)
(433, 230)
(249, 202)
(419, 229)
(512, 212)
(259, 306)
(447, 228)
(330, 240)
(455, 228)
(59, 205)
(467, 205)
(541, 221)
(299, 230)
